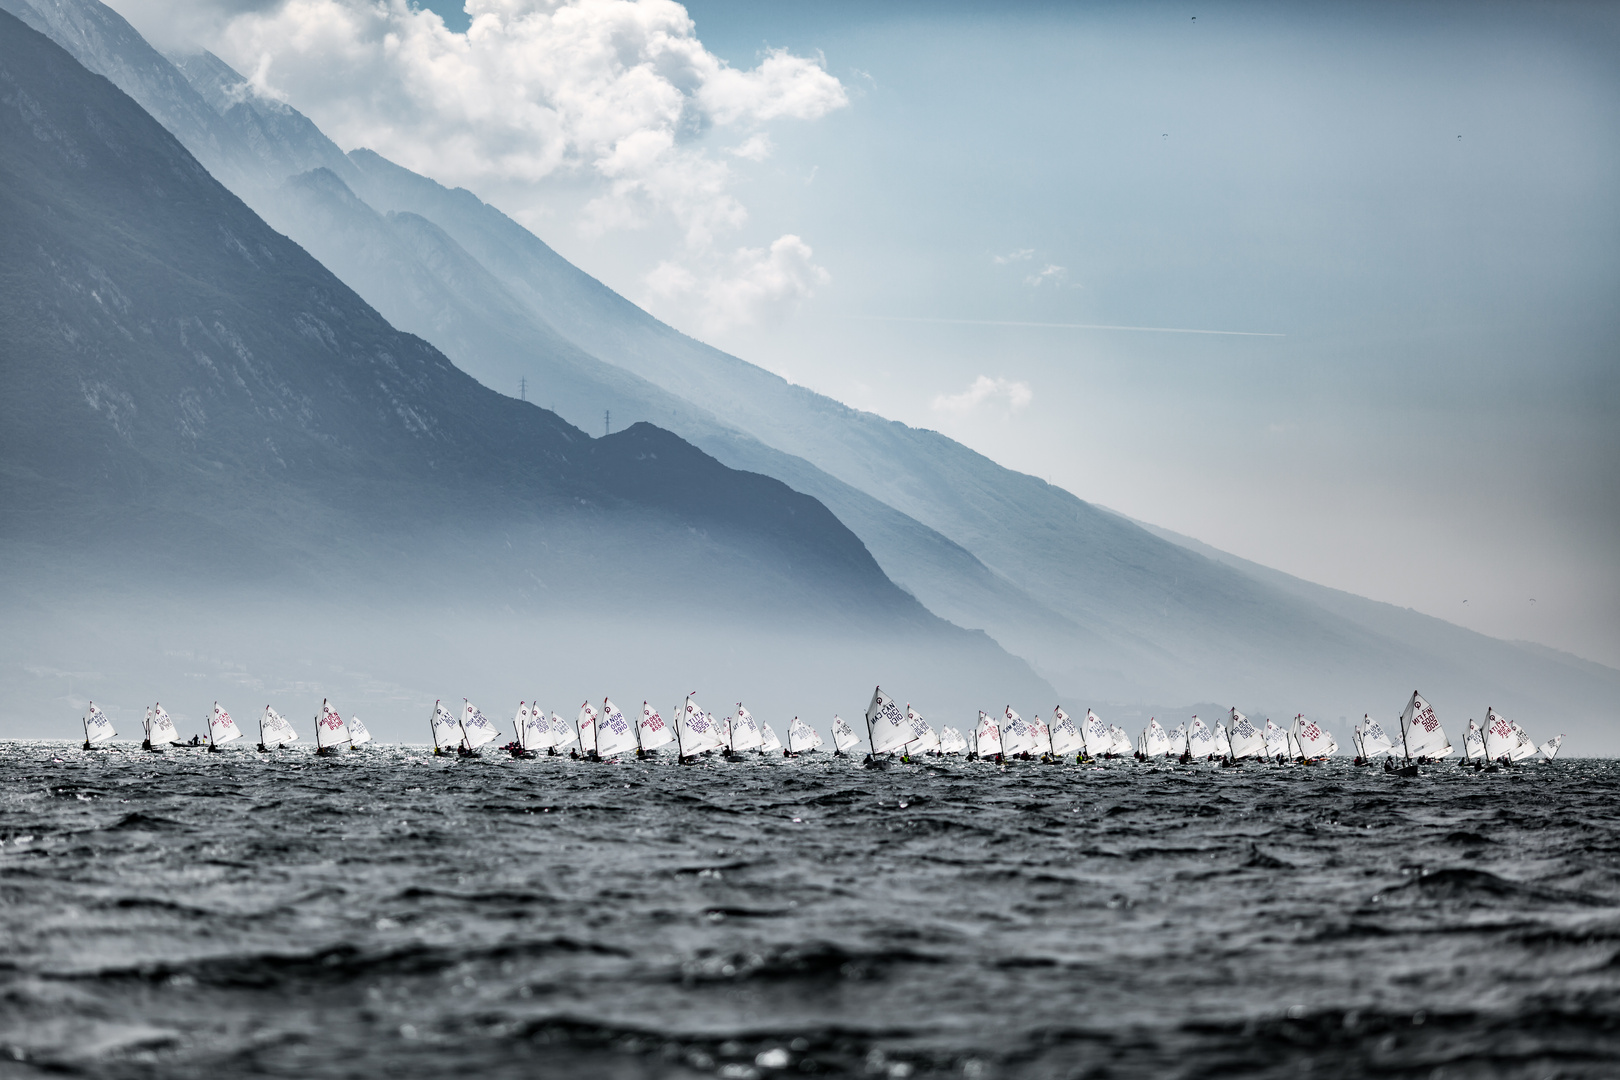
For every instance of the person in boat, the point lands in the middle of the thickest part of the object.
(574, 754)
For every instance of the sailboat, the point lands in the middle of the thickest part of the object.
(987, 738)
(923, 739)
(951, 741)
(476, 730)
(160, 730)
(536, 734)
(446, 730)
(886, 728)
(1156, 741)
(1120, 741)
(1223, 742)
(1315, 744)
(1473, 744)
(802, 738)
(1200, 740)
(1276, 742)
(743, 733)
(768, 742)
(520, 725)
(652, 733)
(1017, 737)
(274, 731)
(586, 723)
(358, 735)
(97, 728)
(1177, 738)
(1065, 736)
(1422, 738)
(1099, 740)
(1549, 749)
(695, 732)
(221, 728)
(1247, 740)
(844, 737)
(614, 735)
(1374, 740)
(330, 730)
(1527, 745)
(563, 735)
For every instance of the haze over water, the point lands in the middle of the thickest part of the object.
(387, 913)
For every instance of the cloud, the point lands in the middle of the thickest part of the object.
(1021, 255)
(1050, 273)
(985, 392)
(753, 285)
(613, 93)
(757, 147)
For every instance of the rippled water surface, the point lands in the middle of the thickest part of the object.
(389, 914)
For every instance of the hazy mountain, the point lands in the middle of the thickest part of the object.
(200, 425)
(1104, 608)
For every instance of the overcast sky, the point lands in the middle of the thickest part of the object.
(927, 210)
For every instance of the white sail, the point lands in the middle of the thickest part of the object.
(1223, 741)
(1155, 740)
(274, 729)
(1527, 745)
(951, 741)
(652, 731)
(1549, 749)
(359, 735)
(97, 728)
(1473, 742)
(446, 730)
(614, 734)
(1314, 741)
(1276, 740)
(1122, 740)
(768, 742)
(586, 724)
(886, 724)
(520, 724)
(987, 736)
(1421, 730)
(696, 730)
(159, 728)
(923, 739)
(562, 732)
(1017, 736)
(330, 730)
(802, 738)
(1498, 736)
(844, 737)
(972, 742)
(1247, 740)
(537, 732)
(476, 730)
(1200, 739)
(1374, 739)
(745, 733)
(1177, 737)
(1066, 737)
(1096, 734)
(221, 728)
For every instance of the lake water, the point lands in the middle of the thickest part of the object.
(385, 913)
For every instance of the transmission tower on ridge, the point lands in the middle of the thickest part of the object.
(607, 421)
(523, 389)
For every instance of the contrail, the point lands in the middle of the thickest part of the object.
(1068, 326)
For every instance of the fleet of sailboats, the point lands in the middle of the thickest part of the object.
(893, 732)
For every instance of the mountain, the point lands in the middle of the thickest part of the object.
(201, 426)
(1106, 609)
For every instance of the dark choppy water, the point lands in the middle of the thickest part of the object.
(387, 914)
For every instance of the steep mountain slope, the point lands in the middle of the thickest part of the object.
(1104, 608)
(192, 405)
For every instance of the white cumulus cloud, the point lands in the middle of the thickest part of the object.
(1050, 273)
(754, 285)
(612, 93)
(985, 392)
